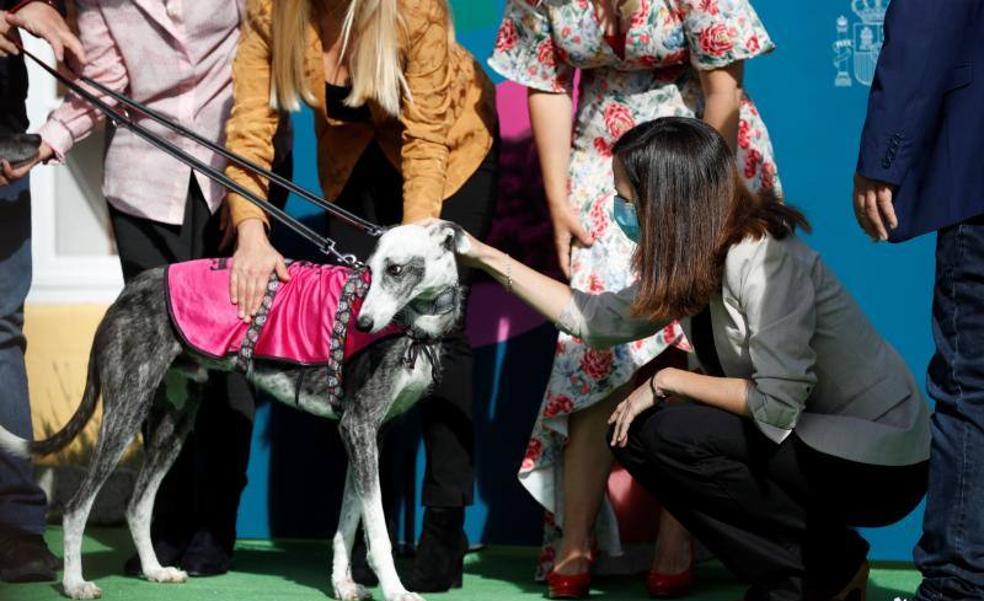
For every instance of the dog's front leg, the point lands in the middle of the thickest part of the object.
(345, 588)
(360, 440)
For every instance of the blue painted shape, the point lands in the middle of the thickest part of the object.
(254, 519)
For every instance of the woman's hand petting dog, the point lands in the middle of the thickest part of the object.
(255, 259)
(471, 253)
(11, 173)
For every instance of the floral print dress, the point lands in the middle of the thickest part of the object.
(541, 44)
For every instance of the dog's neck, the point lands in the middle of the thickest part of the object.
(433, 318)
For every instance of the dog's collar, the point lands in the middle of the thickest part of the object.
(420, 346)
(442, 304)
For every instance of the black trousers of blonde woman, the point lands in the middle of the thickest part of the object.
(375, 191)
(194, 523)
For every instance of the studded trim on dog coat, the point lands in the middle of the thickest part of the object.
(307, 320)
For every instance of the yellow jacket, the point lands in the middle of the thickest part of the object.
(438, 142)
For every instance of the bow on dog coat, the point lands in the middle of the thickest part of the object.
(308, 320)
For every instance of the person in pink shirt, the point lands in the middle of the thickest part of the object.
(174, 56)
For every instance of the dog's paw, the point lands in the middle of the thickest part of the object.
(349, 590)
(83, 590)
(167, 575)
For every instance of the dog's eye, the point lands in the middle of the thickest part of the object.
(394, 270)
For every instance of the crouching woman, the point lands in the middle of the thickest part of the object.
(804, 424)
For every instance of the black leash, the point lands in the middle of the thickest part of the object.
(324, 244)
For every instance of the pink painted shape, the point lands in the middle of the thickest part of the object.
(495, 315)
(514, 115)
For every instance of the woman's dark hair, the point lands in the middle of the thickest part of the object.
(693, 207)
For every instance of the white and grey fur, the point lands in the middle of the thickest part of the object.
(136, 349)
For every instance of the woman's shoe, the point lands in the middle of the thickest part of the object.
(441, 552)
(671, 586)
(857, 588)
(568, 586)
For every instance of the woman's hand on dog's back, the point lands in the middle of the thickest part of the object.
(253, 262)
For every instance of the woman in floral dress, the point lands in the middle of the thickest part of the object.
(638, 60)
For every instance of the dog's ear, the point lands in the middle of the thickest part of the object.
(455, 239)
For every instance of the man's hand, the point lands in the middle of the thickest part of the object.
(873, 207)
(10, 174)
(9, 37)
(43, 21)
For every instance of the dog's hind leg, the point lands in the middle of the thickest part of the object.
(361, 444)
(345, 588)
(169, 423)
(119, 428)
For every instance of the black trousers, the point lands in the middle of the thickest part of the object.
(781, 517)
(202, 490)
(375, 192)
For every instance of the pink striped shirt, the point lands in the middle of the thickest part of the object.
(175, 56)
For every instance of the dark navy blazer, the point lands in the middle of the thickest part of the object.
(925, 126)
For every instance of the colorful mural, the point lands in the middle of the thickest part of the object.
(815, 122)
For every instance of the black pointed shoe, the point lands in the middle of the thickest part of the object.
(441, 552)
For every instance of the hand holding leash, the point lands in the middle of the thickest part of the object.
(42, 20)
(11, 173)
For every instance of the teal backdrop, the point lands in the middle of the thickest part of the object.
(812, 94)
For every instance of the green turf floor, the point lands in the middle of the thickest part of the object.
(292, 570)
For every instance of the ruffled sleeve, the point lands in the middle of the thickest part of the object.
(722, 32)
(525, 52)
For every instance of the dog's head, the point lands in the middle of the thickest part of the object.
(414, 271)
(18, 149)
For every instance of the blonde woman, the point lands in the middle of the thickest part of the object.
(405, 122)
(639, 60)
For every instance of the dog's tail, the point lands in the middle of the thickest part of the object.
(19, 447)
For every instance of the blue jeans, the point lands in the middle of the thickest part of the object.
(950, 553)
(22, 503)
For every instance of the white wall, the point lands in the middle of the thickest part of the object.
(74, 259)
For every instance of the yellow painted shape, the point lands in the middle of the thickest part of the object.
(59, 338)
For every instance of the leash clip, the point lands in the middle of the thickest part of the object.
(346, 259)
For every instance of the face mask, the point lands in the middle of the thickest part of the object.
(626, 218)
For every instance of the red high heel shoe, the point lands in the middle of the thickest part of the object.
(671, 586)
(571, 586)
(568, 586)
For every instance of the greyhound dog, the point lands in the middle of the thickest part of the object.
(18, 149)
(137, 347)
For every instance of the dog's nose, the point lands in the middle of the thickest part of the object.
(364, 324)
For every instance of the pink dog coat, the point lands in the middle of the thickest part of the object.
(307, 320)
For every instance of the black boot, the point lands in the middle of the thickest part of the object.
(26, 559)
(441, 551)
(207, 554)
